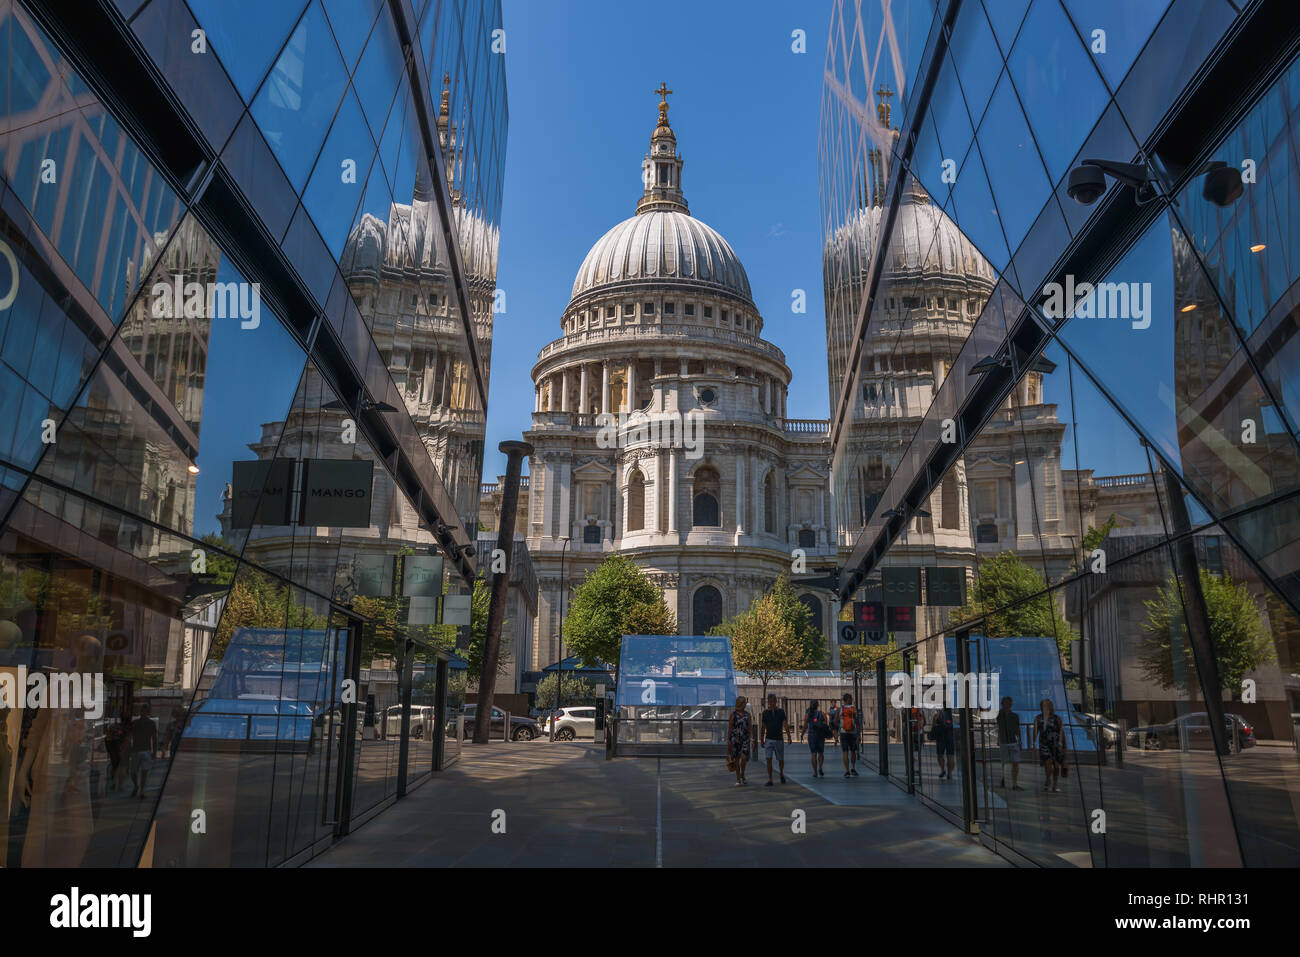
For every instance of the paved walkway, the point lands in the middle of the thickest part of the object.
(565, 805)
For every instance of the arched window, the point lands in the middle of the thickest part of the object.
(807, 538)
(949, 502)
(769, 504)
(705, 512)
(635, 501)
(814, 609)
(706, 609)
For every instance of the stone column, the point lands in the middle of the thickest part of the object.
(658, 401)
(604, 386)
(582, 396)
(564, 391)
(631, 385)
(740, 493)
(566, 493)
(672, 490)
(767, 394)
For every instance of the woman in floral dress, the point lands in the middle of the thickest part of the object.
(1051, 744)
(740, 728)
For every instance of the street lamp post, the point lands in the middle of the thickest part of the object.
(559, 663)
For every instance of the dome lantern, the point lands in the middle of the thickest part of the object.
(661, 169)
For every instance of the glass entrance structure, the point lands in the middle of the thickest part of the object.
(673, 696)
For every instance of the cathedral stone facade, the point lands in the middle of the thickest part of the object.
(660, 427)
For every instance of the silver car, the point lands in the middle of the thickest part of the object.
(575, 722)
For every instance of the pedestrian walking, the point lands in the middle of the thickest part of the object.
(740, 728)
(774, 726)
(849, 727)
(819, 729)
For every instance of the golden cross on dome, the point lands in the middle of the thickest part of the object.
(882, 110)
(663, 92)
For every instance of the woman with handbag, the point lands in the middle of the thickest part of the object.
(740, 728)
(1050, 736)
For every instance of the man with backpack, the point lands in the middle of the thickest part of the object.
(849, 736)
(819, 730)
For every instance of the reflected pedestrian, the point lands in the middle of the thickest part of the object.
(144, 742)
(1049, 735)
(1009, 743)
(941, 733)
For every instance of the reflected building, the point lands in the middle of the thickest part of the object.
(1116, 479)
(234, 360)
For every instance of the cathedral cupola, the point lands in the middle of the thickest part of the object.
(661, 170)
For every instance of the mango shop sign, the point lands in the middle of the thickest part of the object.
(336, 492)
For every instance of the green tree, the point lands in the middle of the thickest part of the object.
(480, 607)
(863, 658)
(614, 600)
(792, 610)
(577, 690)
(1237, 634)
(764, 643)
(1094, 536)
(1012, 597)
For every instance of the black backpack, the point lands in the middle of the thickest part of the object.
(817, 724)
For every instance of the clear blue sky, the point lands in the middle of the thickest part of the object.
(745, 110)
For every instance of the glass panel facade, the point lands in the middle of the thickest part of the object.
(224, 399)
(1105, 451)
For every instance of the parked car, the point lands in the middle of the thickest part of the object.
(1101, 729)
(421, 721)
(575, 722)
(522, 727)
(1191, 731)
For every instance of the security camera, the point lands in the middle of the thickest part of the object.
(1222, 184)
(1086, 185)
(1088, 180)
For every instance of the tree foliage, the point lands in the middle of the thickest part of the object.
(1237, 634)
(614, 600)
(1002, 593)
(799, 616)
(577, 690)
(764, 642)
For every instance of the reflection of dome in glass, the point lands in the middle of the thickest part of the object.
(925, 241)
(662, 246)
